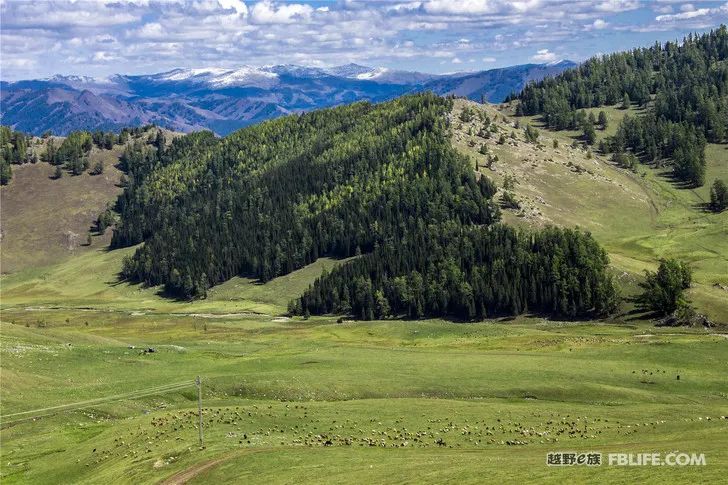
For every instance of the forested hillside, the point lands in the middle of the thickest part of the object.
(380, 180)
(683, 88)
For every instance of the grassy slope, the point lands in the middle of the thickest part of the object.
(639, 218)
(92, 281)
(46, 220)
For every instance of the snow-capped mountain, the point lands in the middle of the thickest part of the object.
(225, 99)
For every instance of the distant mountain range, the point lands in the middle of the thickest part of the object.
(223, 100)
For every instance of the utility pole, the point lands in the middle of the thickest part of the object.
(198, 382)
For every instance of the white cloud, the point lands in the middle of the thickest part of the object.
(691, 14)
(238, 5)
(456, 60)
(461, 7)
(102, 56)
(267, 12)
(154, 35)
(688, 7)
(149, 31)
(21, 63)
(543, 55)
(617, 5)
(406, 7)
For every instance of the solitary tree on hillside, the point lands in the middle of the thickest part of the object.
(718, 196)
(603, 120)
(663, 290)
(98, 168)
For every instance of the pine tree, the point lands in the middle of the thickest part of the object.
(603, 120)
(719, 196)
(590, 135)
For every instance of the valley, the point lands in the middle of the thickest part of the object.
(433, 399)
(401, 287)
(286, 398)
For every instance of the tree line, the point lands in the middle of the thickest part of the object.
(683, 88)
(72, 154)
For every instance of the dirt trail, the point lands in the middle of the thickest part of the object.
(185, 476)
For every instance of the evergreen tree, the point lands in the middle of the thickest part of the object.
(626, 103)
(531, 134)
(6, 173)
(14, 149)
(719, 196)
(590, 135)
(603, 120)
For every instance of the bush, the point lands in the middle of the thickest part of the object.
(98, 168)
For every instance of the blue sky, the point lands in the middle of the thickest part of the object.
(103, 37)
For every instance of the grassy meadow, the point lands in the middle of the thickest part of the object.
(312, 400)
(291, 400)
(45, 220)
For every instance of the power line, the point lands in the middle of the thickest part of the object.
(150, 391)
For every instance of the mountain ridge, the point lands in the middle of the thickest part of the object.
(223, 100)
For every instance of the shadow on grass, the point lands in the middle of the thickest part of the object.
(677, 182)
(703, 207)
(161, 292)
(637, 314)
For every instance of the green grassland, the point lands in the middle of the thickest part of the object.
(638, 217)
(382, 401)
(310, 400)
(92, 281)
(292, 400)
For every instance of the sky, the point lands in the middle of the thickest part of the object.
(103, 37)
